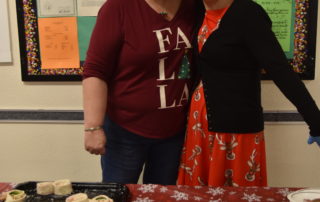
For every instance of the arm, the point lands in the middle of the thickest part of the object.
(101, 61)
(94, 105)
(264, 45)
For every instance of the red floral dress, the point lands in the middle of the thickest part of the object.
(219, 159)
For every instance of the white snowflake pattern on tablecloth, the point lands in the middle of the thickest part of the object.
(284, 191)
(146, 188)
(13, 184)
(198, 187)
(180, 196)
(219, 200)
(146, 199)
(251, 197)
(232, 193)
(270, 199)
(197, 198)
(251, 189)
(163, 189)
(215, 191)
(181, 186)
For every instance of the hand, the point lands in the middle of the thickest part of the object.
(313, 139)
(94, 142)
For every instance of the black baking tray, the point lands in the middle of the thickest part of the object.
(118, 192)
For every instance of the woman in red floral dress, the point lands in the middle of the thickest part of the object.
(220, 159)
(220, 153)
(224, 143)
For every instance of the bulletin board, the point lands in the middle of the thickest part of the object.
(54, 35)
(294, 22)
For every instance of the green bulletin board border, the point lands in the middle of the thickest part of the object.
(303, 61)
(291, 27)
(304, 27)
(291, 52)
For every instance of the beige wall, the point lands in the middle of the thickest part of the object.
(45, 152)
(48, 151)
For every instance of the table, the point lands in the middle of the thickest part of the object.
(158, 193)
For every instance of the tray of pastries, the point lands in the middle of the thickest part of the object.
(67, 191)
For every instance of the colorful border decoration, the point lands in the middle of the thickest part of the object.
(304, 39)
(303, 61)
(30, 52)
(304, 29)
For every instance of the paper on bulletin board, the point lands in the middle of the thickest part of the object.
(282, 14)
(89, 7)
(85, 28)
(56, 8)
(5, 47)
(59, 43)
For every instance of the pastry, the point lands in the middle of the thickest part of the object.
(15, 195)
(44, 188)
(102, 198)
(312, 200)
(80, 197)
(62, 187)
(3, 196)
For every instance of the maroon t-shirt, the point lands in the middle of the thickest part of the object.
(139, 54)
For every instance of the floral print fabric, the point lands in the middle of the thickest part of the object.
(214, 158)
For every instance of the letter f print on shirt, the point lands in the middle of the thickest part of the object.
(181, 44)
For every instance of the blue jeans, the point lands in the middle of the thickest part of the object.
(126, 153)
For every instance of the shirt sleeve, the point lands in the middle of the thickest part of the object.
(105, 43)
(265, 47)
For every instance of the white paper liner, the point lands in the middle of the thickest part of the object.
(304, 195)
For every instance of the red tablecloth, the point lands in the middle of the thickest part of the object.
(155, 193)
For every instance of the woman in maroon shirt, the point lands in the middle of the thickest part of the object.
(136, 88)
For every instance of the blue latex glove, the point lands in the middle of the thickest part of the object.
(313, 139)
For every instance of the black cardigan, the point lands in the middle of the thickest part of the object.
(230, 65)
